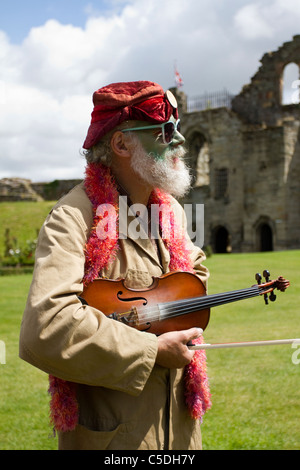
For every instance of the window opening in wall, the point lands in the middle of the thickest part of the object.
(290, 84)
(199, 160)
(221, 183)
(202, 176)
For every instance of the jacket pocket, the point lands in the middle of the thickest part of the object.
(83, 438)
(137, 279)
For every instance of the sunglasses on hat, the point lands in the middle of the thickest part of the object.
(168, 130)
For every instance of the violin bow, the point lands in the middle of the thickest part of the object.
(245, 344)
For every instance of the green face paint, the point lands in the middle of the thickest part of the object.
(152, 142)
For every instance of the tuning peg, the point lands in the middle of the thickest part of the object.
(266, 275)
(258, 278)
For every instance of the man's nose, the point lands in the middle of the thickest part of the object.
(178, 139)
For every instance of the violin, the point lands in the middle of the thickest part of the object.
(175, 301)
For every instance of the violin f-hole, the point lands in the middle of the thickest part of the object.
(131, 299)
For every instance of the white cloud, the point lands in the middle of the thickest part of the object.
(264, 19)
(251, 23)
(41, 136)
(46, 83)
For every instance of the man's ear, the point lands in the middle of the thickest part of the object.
(118, 145)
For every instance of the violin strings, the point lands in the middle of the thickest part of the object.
(171, 309)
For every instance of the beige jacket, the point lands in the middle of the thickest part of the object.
(126, 401)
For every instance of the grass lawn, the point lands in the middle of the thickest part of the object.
(255, 391)
(24, 399)
(23, 218)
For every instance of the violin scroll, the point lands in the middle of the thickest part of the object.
(268, 287)
(282, 284)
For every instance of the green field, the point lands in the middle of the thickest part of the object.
(23, 219)
(255, 391)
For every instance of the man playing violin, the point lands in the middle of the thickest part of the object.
(113, 386)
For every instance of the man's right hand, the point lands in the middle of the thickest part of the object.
(173, 351)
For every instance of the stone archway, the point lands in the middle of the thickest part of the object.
(264, 232)
(290, 84)
(221, 240)
(265, 237)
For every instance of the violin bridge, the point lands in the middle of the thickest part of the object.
(130, 317)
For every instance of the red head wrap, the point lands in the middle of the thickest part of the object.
(119, 102)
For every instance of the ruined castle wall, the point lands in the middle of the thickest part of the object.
(292, 182)
(261, 100)
(264, 187)
(20, 189)
(54, 190)
(17, 189)
(257, 143)
(223, 196)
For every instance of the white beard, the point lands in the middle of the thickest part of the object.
(170, 173)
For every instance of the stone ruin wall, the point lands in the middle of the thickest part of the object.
(21, 189)
(256, 146)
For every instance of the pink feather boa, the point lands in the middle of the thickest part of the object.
(101, 189)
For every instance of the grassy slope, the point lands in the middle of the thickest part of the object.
(24, 219)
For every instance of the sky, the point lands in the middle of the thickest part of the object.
(55, 53)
